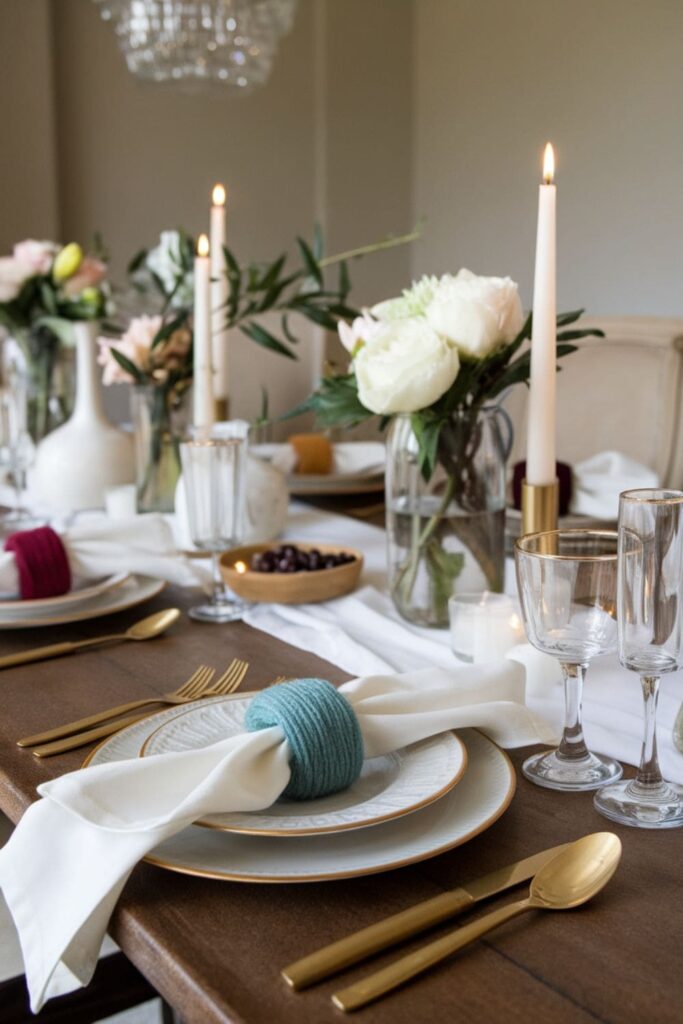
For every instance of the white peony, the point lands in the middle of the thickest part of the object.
(13, 273)
(412, 301)
(358, 332)
(478, 314)
(407, 367)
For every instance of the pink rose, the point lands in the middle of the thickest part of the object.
(90, 274)
(135, 344)
(12, 276)
(36, 257)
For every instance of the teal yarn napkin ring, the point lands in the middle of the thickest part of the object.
(322, 731)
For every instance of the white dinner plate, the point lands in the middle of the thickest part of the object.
(398, 783)
(132, 591)
(76, 596)
(358, 468)
(479, 799)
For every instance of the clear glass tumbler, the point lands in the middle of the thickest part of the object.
(567, 582)
(214, 474)
(650, 605)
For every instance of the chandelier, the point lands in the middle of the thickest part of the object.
(230, 42)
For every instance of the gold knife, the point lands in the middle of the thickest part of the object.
(359, 945)
(82, 739)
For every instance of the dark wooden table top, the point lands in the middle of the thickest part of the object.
(214, 950)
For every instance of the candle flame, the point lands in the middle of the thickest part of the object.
(548, 164)
(218, 195)
(203, 246)
(240, 567)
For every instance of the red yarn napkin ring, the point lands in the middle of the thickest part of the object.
(41, 561)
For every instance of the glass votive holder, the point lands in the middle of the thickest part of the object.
(484, 626)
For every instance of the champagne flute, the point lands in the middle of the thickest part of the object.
(650, 613)
(567, 588)
(214, 474)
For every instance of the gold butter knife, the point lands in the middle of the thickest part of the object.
(359, 945)
(82, 739)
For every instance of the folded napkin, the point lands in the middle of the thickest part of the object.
(142, 544)
(356, 458)
(363, 633)
(68, 860)
(599, 481)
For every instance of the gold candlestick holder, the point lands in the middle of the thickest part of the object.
(221, 409)
(540, 507)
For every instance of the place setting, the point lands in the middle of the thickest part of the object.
(355, 548)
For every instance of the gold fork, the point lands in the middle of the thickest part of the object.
(188, 691)
(228, 683)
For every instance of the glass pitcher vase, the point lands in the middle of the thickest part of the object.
(447, 534)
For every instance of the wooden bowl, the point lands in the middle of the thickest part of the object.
(290, 587)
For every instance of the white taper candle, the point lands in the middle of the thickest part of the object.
(203, 415)
(540, 460)
(219, 294)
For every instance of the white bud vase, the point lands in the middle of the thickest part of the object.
(76, 463)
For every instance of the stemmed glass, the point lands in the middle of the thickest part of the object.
(214, 475)
(650, 613)
(567, 586)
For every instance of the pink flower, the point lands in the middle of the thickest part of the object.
(12, 276)
(135, 344)
(90, 274)
(36, 257)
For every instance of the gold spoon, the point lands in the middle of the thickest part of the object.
(145, 629)
(566, 881)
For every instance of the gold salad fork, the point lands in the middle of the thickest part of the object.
(199, 685)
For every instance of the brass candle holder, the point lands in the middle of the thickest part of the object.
(221, 409)
(540, 507)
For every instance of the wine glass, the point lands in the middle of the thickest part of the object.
(650, 613)
(214, 476)
(567, 582)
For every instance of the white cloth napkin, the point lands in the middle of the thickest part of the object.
(363, 633)
(599, 480)
(102, 547)
(357, 458)
(68, 860)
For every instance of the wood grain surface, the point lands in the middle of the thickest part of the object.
(214, 950)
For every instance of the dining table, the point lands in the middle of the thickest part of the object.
(214, 949)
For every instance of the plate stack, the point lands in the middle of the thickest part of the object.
(87, 601)
(405, 806)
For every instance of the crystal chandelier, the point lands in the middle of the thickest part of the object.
(231, 42)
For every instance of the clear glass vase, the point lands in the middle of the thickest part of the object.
(160, 420)
(446, 535)
(46, 367)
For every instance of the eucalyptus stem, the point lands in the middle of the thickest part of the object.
(367, 250)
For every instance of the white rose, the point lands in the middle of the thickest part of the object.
(407, 367)
(12, 276)
(36, 256)
(478, 314)
(357, 332)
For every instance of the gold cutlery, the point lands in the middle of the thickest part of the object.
(228, 683)
(362, 944)
(571, 878)
(146, 629)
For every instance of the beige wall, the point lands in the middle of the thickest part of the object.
(327, 139)
(603, 79)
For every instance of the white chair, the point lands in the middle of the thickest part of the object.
(620, 393)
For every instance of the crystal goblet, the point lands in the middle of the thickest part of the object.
(567, 586)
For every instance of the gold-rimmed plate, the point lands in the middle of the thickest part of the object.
(481, 797)
(130, 592)
(390, 786)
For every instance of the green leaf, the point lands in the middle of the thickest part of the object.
(286, 331)
(344, 280)
(443, 567)
(61, 328)
(310, 263)
(48, 298)
(126, 364)
(318, 316)
(575, 335)
(264, 338)
(335, 403)
(137, 261)
(569, 318)
(427, 428)
(169, 328)
(273, 272)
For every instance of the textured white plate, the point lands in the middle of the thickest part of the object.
(129, 593)
(399, 783)
(480, 798)
(55, 604)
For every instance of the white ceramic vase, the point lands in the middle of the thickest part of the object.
(76, 463)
